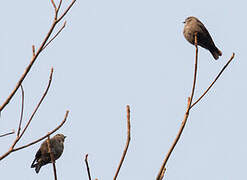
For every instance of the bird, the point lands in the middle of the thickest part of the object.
(42, 156)
(204, 39)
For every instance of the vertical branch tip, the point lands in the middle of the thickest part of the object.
(127, 143)
(51, 156)
(87, 165)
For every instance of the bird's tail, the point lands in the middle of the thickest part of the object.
(37, 166)
(216, 53)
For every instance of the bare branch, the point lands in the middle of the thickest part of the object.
(6, 134)
(25, 128)
(64, 24)
(222, 70)
(163, 173)
(59, 5)
(37, 107)
(186, 115)
(54, 5)
(22, 108)
(52, 157)
(127, 142)
(195, 72)
(40, 49)
(88, 170)
(66, 11)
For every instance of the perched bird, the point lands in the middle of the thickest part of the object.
(192, 26)
(42, 156)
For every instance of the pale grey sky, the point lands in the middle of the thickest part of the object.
(114, 53)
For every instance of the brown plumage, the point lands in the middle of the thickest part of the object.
(42, 156)
(192, 26)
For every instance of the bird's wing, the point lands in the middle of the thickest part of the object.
(37, 156)
(205, 36)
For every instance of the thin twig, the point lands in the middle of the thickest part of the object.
(127, 142)
(37, 107)
(65, 12)
(88, 170)
(22, 109)
(54, 5)
(33, 49)
(52, 157)
(233, 54)
(6, 134)
(29, 121)
(40, 49)
(195, 72)
(64, 24)
(59, 5)
(186, 115)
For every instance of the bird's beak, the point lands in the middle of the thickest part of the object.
(65, 137)
(183, 22)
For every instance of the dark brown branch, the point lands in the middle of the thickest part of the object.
(88, 170)
(40, 49)
(222, 70)
(186, 115)
(6, 134)
(163, 173)
(22, 108)
(52, 157)
(127, 142)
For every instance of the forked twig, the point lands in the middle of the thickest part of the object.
(189, 107)
(127, 142)
(222, 70)
(186, 115)
(59, 31)
(88, 170)
(40, 49)
(29, 121)
(37, 107)
(52, 157)
(66, 11)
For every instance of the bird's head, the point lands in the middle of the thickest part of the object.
(189, 19)
(60, 137)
